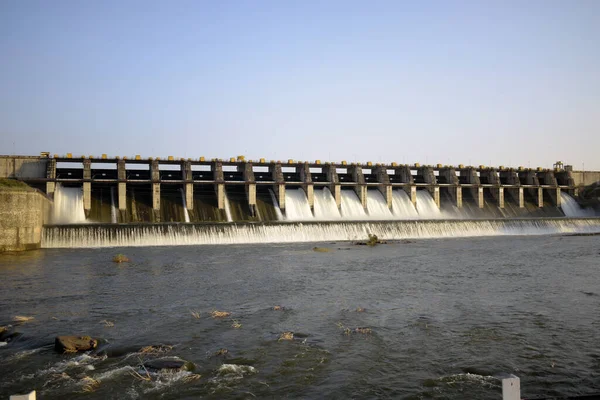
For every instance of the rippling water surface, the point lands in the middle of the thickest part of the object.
(447, 316)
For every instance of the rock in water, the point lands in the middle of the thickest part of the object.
(169, 365)
(73, 344)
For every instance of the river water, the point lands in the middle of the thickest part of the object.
(447, 317)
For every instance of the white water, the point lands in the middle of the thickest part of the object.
(186, 215)
(402, 207)
(276, 205)
(377, 206)
(68, 205)
(426, 207)
(572, 209)
(352, 209)
(325, 207)
(227, 207)
(296, 206)
(287, 232)
(113, 208)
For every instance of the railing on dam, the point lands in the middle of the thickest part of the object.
(456, 183)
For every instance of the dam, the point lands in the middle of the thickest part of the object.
(322, 200)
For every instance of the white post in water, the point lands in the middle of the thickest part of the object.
(511, 388)
(29, 396)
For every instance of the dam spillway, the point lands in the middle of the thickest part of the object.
(134, 190)
(120, 235)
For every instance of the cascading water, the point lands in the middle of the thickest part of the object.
(227, 207)
(276, 205)
(325, 207)
(352, 209)
(113, 208)
(426, 207)
(402, 207)
(186, 215)
(90, 235)
(296, 206)
(68, 205)
(572, 209)
(377, 206)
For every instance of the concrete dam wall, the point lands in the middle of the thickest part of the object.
(121, 190)
(23, 214)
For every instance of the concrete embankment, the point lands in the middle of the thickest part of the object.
(23, 214)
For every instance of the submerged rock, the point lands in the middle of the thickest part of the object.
(322, 249)
(172, 364)
(74, 344)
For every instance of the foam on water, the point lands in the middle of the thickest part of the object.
(287, 232)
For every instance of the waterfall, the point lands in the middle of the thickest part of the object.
(106, 235)
(402, 207)
(572, 209)
(227, 207)
(113, 209)
(352, 209)
(186, 215)
(325, 207)
(426, 206)
(276, 205)
(296, 206)
(377, 206)
(68, 205)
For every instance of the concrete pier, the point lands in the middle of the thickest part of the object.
(359, 186)
(384, 184)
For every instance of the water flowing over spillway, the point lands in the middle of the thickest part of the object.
(402, 207)
(186, 214)
(325, 207)
(572, 209)
(68, 205)
(285, 232)
(296, 206)
(351, 207)
(377, 206)
(276, 205)
(113, 208)
(426, 207)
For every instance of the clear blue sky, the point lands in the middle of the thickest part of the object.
(474, 82)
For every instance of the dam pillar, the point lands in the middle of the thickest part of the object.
(436, 196)
(540, 197)
(248, 174)
(87, 186)
(217, 168)
(220, 190)
(384, 184)
(501, 197)
(188, 186)
(521, 198)
(122, 190)
(155, 176)
(558, 199)
(447, 176)
(458, 197)
(308, 186)
(411, 191)
(480, 199)
(279, 187)
(334, 184)
(360, 186)
(469, 177)
(51, 176)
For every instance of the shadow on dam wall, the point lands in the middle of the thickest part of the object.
(104, 205)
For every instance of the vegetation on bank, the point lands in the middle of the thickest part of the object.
(120, 258)
(13, 184)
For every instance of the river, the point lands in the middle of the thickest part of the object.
(446, 317)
